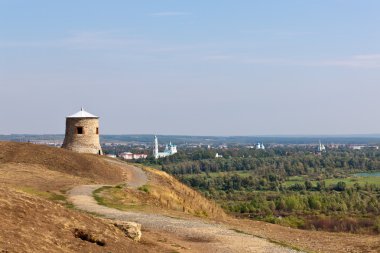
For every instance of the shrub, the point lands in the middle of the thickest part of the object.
(144, 188)
(340, 186)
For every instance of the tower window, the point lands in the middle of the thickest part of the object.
(97, 130)
(79, 130)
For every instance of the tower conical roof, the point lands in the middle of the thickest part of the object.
(82, 114)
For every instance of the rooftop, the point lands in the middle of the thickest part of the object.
(82, 114)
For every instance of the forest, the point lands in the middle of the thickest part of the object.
(291, 186)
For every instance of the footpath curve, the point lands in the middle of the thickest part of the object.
(218, 236)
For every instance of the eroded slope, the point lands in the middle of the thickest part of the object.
(32, 224)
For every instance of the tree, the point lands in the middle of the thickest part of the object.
(321, 185)
(340, 186)
(308, 185)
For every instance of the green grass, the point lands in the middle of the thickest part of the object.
(113, 199)
(97, 197)
(350, 181)
(60, 198)
(297, 178)
(282, 244)
(44, 194)
(239, 231)
(144, 188)
(287, 245)
(288, 183)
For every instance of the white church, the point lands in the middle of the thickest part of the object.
(260, 146)
(169, 149)
(321, 148)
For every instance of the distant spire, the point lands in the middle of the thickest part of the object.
(155, 149)
(82, 109)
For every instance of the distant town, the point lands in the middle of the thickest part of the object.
(133, 147)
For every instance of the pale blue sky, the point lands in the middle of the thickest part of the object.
(191, 67)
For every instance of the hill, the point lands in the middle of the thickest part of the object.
(34, 181)
(37, 225)
(163, 194)
(56, 159)
(34, 209)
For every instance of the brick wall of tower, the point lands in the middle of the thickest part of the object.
(88, 141)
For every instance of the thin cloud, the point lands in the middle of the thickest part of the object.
(278, 33)
(98, 40)
(107, 40)
(274, 61)
(218, 57)
(170, 13)
(18, 44)
(79, 40)
(368, 57)
(356, 61)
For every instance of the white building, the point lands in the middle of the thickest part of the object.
(321, 147)
(360, 147)
(126, 155)
(218, 156)
(169, 149)
(130, 156)
(140, 156)
(260, 146)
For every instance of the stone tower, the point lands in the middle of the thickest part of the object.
(82, 133)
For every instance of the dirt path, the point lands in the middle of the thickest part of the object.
(136, 177)
(217, 237)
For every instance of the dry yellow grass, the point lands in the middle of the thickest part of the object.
(89, 167)
(164, 194)
(30, 176)
(174, 195)
(32, 224)
(39, 177)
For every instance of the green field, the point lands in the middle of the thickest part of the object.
(351, 180)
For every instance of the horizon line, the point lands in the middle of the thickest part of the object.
(373, 135)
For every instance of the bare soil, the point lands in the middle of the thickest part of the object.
(32, 224)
